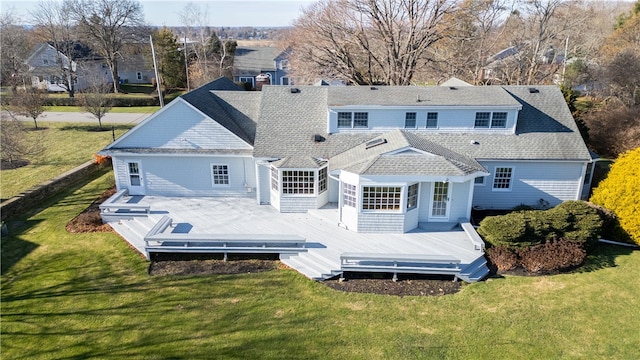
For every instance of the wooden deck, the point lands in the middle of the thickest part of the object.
(326, 240)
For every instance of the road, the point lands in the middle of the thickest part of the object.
(109, 118)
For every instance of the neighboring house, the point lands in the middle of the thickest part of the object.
(389, 159)
(45, 70)
(135, 69)
(261, 65)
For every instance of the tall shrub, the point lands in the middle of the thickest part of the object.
(620, 192)
(572, 220)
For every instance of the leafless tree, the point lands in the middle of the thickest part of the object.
(15, 50)
(367, 41)
(54, 26)
(195, 18)
(97, 99)
(16, 145)
(29, 102)
(108, 25)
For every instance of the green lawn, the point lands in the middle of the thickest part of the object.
(89, 296)
(67, 146)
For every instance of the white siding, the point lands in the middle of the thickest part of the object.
(297, 204)
(379, 222)
(179, 126)
(552, 182)
(190, 176)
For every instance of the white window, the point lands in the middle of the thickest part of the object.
(353, 120)
(502, 178)
(383, 198)
(499, 120)
(482, 119)
(479, 180)
(284, 80)
(322, 180)
(298, 182)
(410, 120)
(220, 174)
(139, 75)
(349, 194)
(283, 65)
(412, 196)
(360, 120)
(432, 120)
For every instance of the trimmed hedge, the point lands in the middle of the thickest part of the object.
(572, 220)
(620, 193)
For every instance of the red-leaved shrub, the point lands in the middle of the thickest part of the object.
(553, 255)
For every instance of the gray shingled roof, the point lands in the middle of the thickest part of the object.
(203, 99)
(420, 96)
(254, 60)
(377, 160)
(545, 131)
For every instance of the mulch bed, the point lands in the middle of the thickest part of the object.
(89, 220)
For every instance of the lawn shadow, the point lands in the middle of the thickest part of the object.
(13, 248)
(603, 256)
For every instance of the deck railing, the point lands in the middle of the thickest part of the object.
(114, 206)
(158, 240)
(400, 263)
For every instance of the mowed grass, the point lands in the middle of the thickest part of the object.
(89, 296)
(66, 145)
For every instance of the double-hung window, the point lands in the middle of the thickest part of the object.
(502, 179)
(499, 120)
(432, 120)
(220, 174)
(353, 120)
(410, 120)
(482, 119)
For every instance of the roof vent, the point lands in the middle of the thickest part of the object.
(373, 88)
(295, 90)
(453, 88)
(533, 90)
(318, 138)
(418, 98)
(375, 142)
(475, 142)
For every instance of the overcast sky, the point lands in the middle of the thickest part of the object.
(257, 13)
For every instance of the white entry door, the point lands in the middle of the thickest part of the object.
(136, 183)
(440, 201)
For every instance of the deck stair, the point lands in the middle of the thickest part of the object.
(312, 265)
(475, 271)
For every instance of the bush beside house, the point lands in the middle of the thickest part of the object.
(542, 241)
(620, 193)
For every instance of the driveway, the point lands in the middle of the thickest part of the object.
(109, 118)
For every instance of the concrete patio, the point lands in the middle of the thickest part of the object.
(325, 239)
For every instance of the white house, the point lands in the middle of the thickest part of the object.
(390, 159)
(45, 66)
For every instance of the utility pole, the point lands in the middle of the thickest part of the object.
(186, 64)
(155, 68)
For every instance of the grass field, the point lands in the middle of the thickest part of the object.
(66, 145)
(79, 296)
